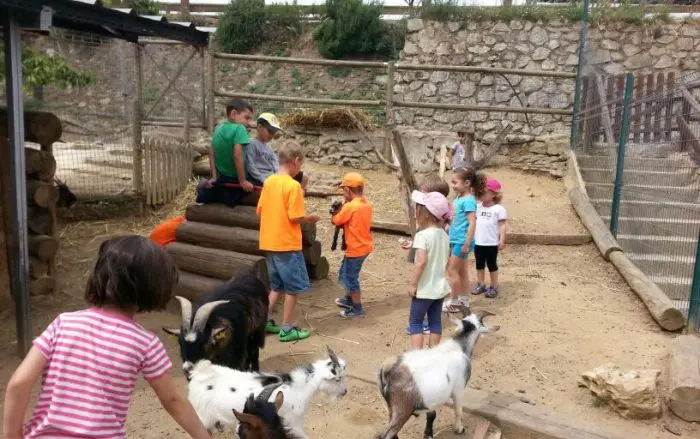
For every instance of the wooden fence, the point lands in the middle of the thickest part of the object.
(167, 168)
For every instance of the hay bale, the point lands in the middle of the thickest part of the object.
(334, 118)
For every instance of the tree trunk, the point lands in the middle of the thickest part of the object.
(684, 378)
(312, 253)
(239, 216)
(41, 194)
(39, 220)
(43, 247)
(216, 263)
(42, 286)
(320, 270)
(234, 239)
(192, 286)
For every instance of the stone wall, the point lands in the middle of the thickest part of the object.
(612, 49)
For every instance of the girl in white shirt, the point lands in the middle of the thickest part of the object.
(489, 237)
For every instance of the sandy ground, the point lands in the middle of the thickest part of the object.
(562, 311)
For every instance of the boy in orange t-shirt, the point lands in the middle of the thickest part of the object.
(281, 212)
(356, 219)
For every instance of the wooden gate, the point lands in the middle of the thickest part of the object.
(167, 169)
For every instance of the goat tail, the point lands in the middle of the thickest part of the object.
(383, 383)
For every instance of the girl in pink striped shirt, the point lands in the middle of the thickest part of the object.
(89, 360)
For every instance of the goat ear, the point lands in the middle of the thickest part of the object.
(219, 333)
(279, 400)
(245, 418)
(172, 332)
(333, 356)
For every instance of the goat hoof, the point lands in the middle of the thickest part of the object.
(460, 430)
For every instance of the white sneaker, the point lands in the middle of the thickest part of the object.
(462, 301)
(449, 306)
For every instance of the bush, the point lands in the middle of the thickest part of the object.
(246, 24)
(351, 27)
(143, 7)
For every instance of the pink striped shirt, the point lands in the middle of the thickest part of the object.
(94, 359)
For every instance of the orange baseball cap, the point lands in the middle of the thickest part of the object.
(352, 180)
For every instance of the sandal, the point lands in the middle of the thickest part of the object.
(491, 292)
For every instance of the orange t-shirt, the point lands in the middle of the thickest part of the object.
(281, 201)
(356, 219)
(164, 233)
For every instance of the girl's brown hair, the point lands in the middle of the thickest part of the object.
(476, 180)
(424, 217)
(497, 197)
(131, 272)
(433, 183)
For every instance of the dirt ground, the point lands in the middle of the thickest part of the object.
(562, 311)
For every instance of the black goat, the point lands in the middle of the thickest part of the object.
(66, 197)
(226, 327)
(260, 418)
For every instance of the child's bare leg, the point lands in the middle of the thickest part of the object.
(417, 341)
(454, 277)
(481, 276)
(494, 278)
(465, 276)
(356, 297)
(290, 303)
(274, 295)
(434, 340)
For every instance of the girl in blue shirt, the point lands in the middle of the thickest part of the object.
(469, 185)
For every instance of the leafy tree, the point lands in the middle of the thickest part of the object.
(143, 7)
(40, 70)
(351, 28)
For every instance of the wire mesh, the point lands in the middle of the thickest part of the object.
(659, 211)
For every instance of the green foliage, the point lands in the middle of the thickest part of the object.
(450, 10)
(351, 28)
(143, 7)
(41, 70)
(247, 24)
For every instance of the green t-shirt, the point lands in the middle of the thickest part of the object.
(225, 137)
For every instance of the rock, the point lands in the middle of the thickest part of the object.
(538, 36)
(486, 80)
(414, 25)
(381, 79)
(415, 85)
(516, 25)
(540, 53)
(664, 62)
(553, 44)
(489, 40)
(500, 47)
(548, 65)
(485, 95)
(444, 49)
(467, 89)
(439, 76)
(685, 43)
(454, 26)
(410, 49)
(429, 89)
(571, 60)
(479, 50)
(610, 45)
(537, 148)
(632, 394)
(666, 39)
(558, 173)
(449, 88)
(500, 27)
(530, 84)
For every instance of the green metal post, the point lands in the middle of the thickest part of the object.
(620, 168)
(581, 55)
(694, 306)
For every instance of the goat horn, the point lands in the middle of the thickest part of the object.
(186, 306)
(332, 355)
(267, 392)
(202, 314)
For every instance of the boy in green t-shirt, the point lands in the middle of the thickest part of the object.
(227, 157)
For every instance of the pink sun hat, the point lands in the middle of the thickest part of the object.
(435, 202)
(493, 185)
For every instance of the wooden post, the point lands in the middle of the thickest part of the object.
(388, 107)
(136, 123)
(408, 180)
(186, 125)
(211, 85)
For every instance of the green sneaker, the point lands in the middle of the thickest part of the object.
(272, 328)
(294, 334)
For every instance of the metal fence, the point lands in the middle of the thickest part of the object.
(638, 148)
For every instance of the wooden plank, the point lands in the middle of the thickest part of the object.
(619, 93)
(670, 86)
(605, 112)
(443, 159)
(147, 170)
(586, 103)
(637, 97)
(612, 103)
(648, 107)
(691, 144)
(658, 108)
(686, 106)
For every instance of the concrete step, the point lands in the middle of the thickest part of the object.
(663, 264)
(644, 163)
(667, 245)
(634, 225)
(675, 287)
(650, 209)
(688, 194)
(676, 177)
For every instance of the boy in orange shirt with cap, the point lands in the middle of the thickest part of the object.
(281, 212)
(355, 217)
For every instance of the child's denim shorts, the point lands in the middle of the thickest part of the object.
(349, 273)
(287, 272)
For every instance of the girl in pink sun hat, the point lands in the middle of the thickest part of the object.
(428, 286)
(489, 237)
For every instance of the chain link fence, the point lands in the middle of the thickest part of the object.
(641, 166)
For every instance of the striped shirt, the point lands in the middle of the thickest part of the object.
(94, 358)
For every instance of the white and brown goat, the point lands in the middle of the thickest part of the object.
(422, 380)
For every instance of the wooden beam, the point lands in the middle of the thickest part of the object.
(692, 143)
(604, 109)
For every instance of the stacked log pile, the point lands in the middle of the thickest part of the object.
(218, 242)
(42, 195)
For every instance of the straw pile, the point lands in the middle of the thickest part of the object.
(335, 118)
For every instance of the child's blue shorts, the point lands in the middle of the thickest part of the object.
(287, 272)
(456, 250)
(349, 273)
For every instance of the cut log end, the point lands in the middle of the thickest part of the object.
(42, 194)
(42, 286)
(43, 247)
(320, 270)
(191, 286)
(684, 378)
